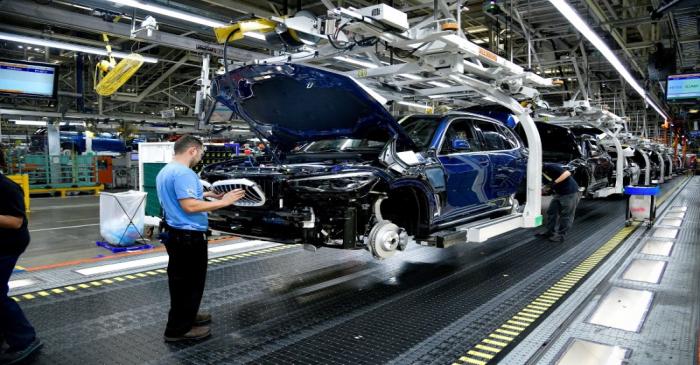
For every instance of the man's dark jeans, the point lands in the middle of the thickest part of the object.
(14, 326)
(562, 210)
(187, 273)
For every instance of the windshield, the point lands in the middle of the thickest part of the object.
(340, 145)
(421, 130)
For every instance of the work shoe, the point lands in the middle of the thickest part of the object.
(202, 319)
(546, 234)
(556, 238)
(195, 334)
(16, 356)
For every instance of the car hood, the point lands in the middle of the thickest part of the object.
(291, 104)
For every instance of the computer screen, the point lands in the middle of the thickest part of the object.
(28, 79)
(685, 86)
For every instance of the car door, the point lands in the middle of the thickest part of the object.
(508, 163)
(466, 169)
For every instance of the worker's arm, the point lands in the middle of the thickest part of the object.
(11, 222)
(192, 205)
(562, 177)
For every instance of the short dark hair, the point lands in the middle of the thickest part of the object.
(185, 142)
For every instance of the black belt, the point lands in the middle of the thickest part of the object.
(186, 233)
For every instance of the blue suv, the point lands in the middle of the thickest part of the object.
(342, 172)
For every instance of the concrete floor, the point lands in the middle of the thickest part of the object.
(63, 229)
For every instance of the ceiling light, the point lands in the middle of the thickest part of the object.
(29, 122)
(355, 62)
(67, 46)
(170, 13)
(693, 111)
(569, 13)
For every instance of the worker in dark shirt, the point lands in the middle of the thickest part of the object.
(558, 180)
(14, 238)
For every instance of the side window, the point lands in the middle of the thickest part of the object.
(460, 129)
(493, 137)
(511, 141)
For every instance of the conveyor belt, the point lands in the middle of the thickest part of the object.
(425, 305)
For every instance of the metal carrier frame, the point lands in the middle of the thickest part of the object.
(446, 66)
(614, 128)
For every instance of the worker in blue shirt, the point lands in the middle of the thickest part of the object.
(181, 195)
(561, 211)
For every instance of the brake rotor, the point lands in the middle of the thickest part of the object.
(384, 239)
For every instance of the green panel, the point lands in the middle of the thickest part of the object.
(150, 171)
(538, 221)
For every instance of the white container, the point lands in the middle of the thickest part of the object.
(122, 217)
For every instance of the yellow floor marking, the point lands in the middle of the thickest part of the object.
(119, 278)
(43, 293)
(71, 288)
(83, 286)
(480, 354)
(501, 337)
(162, 271)
(57, 291)
(530, 315)
(515, 328)
(95, 283)
(107, 281)
(523, 319)
(15, 299)
(28, 296)
(536, 312)
(522, 324)
(141, 275)
(487, 348)
(469, 360)
(495, 343)
(130, 277)
(510, 333)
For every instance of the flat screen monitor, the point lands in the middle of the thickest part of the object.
(685, 86)
(28, 79)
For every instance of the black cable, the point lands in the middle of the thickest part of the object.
(226, 60)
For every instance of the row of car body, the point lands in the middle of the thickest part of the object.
(342, 172)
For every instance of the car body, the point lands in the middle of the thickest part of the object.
(582, 155)
(342, 173)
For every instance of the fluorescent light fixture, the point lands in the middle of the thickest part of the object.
(415, 105)
(29, 122)
(67, 46)
(170, 13)
(439, 84)
(693, 111)
(355, 62)
(569, 13)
